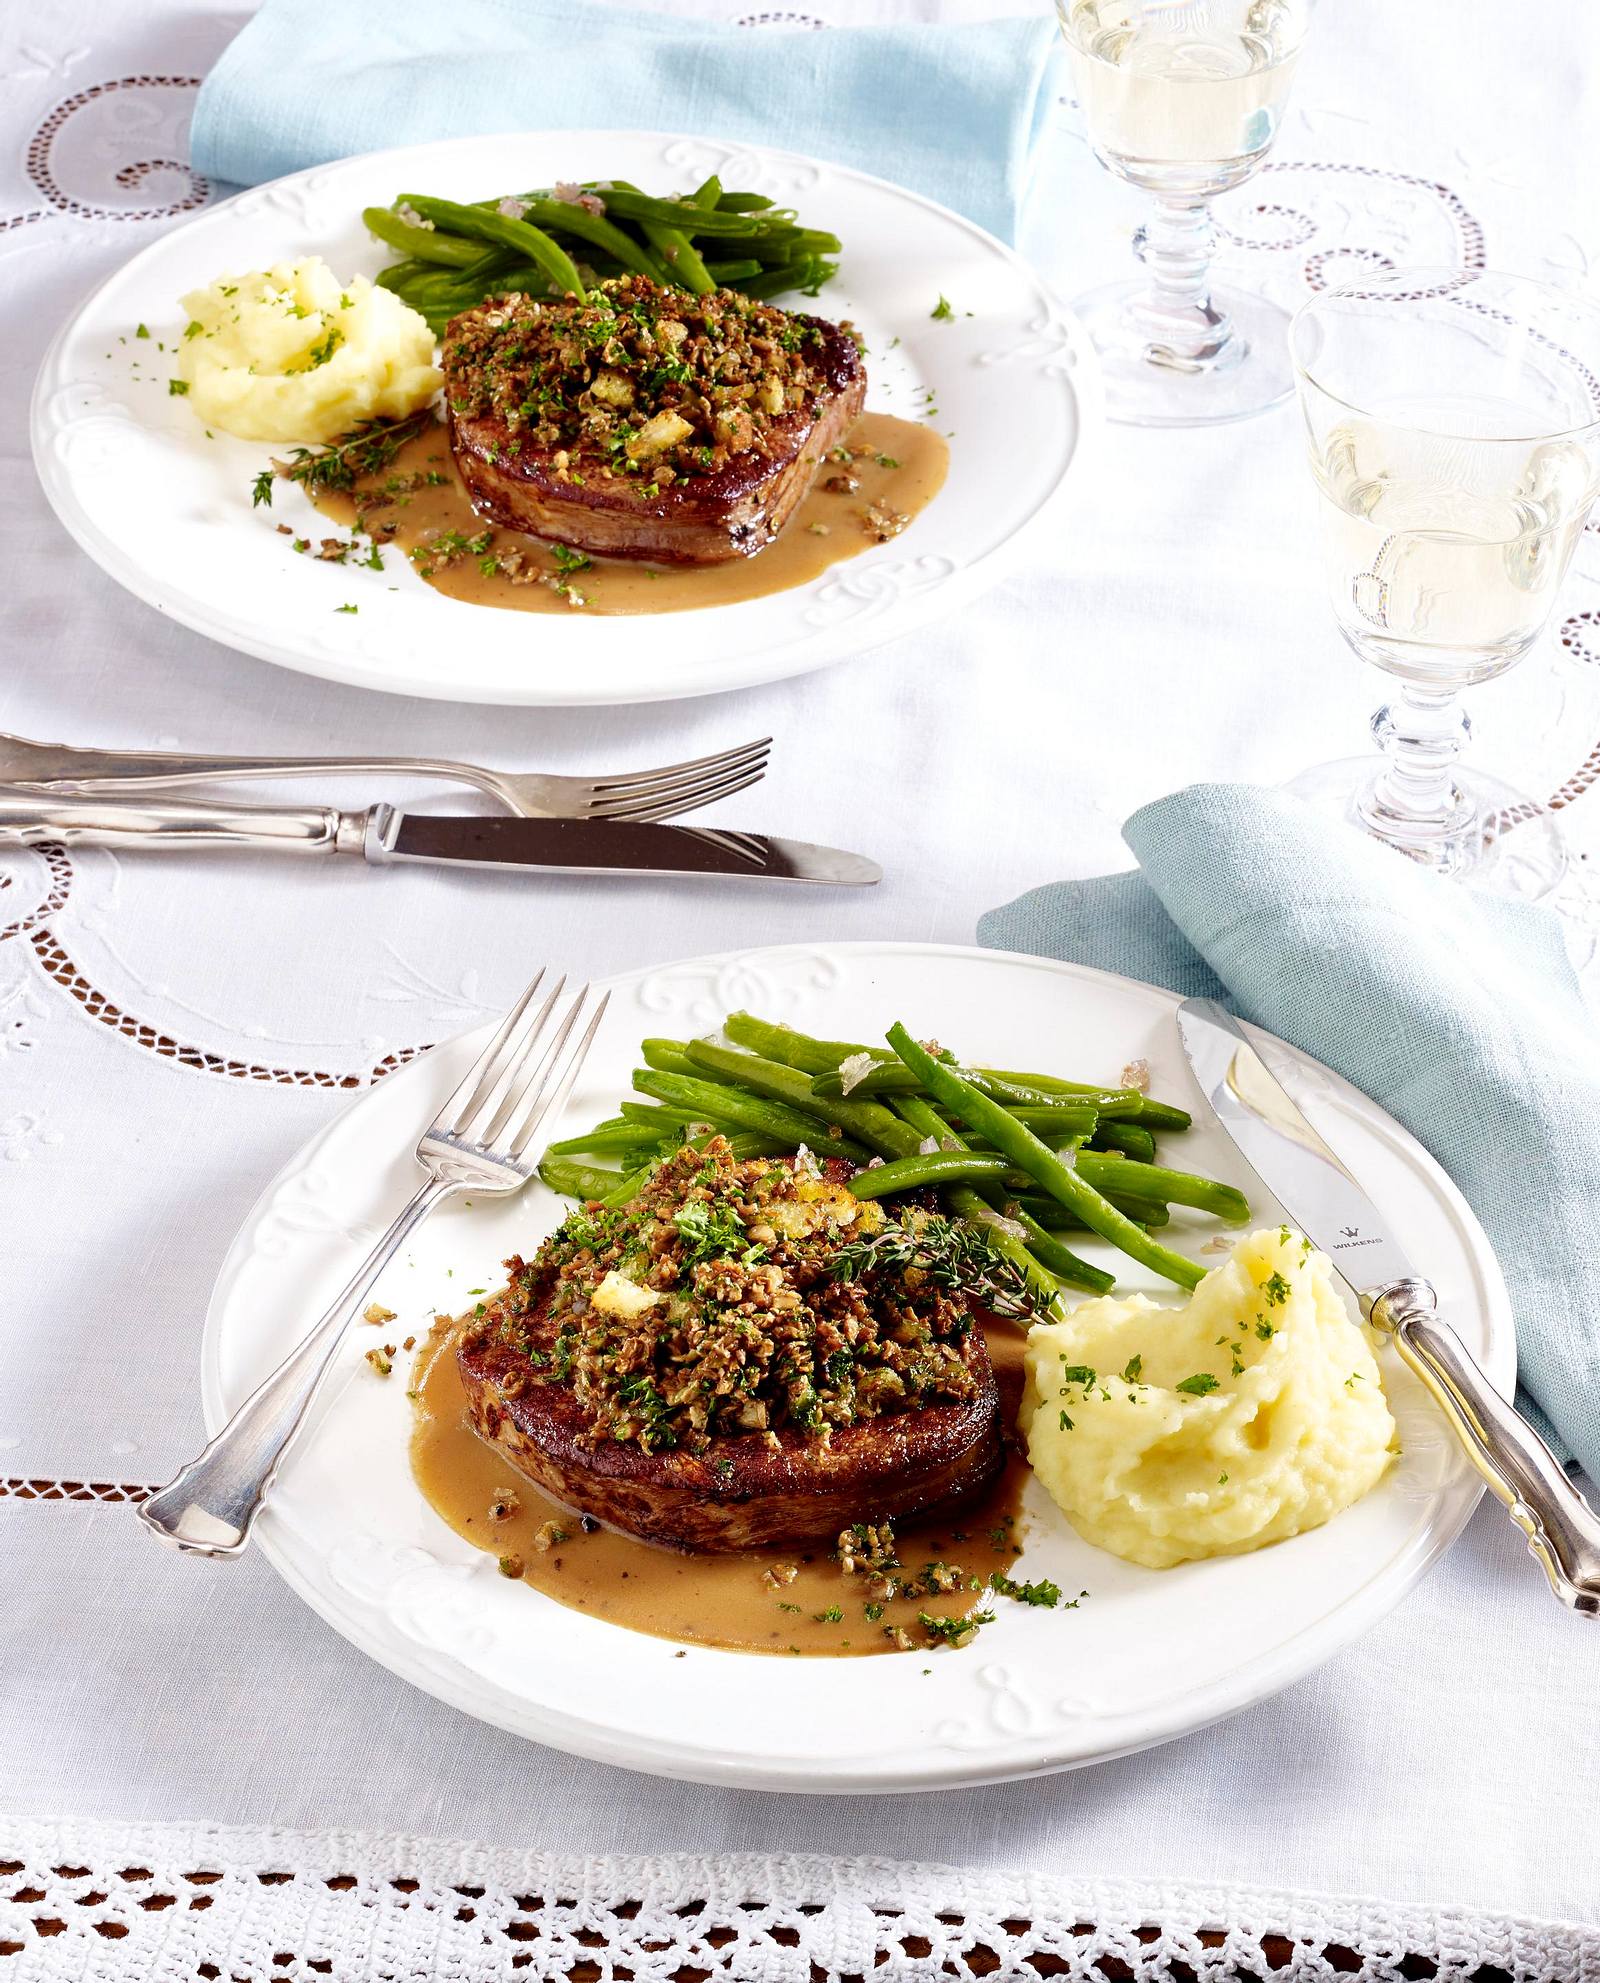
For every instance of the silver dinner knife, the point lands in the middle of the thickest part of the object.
(383, 833)
(1292, 1160)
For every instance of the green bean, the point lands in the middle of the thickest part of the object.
(806, 278)
(1124, 1175)
(1142, 1211)
(1153, 1114)
(628, 203)
(1039, 1244)
(423, 244)
(965, 1203)
(707, 194)
(784, 1044)
(1132, 1138)
(768, 1117)
(661, 1113)
(606, 1142)
(679, 253)
(586, 1181)
(672, 1057)
(727, 274)
(1060, 1181)
(743, 203)
(523, 235)
(626, 1190)
(868, 1122)
(938, 1167)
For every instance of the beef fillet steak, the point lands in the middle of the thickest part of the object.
(644, 423)
(706, 1420)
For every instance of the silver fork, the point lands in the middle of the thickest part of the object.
(477, 1142)
(663, 793)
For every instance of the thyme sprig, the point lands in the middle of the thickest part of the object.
(955, 1256)
(366, 450)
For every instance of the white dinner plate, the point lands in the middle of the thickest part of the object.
(166, 511)
(1147, 1655)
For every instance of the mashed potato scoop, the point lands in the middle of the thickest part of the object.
(1253, 1412)
(290, 353)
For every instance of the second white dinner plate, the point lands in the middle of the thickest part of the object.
(1147, 1655)
(165, 507)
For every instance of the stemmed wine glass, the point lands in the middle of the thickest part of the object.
(1183, 98)
(1453, 421)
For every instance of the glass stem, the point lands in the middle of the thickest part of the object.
(1183, 329)
(1416, 797)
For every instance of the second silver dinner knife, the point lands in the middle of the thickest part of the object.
(383, 834)
(1269, 1127)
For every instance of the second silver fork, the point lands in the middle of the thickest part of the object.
(479, 1142)
(660, 793)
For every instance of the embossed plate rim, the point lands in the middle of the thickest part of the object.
(428, 1607)
(416, 642)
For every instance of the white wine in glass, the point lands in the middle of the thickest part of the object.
(1183, 98)
(1453, 425)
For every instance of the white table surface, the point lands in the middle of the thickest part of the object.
(170, 1034)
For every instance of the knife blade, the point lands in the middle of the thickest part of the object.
(1318, 1191)
(1286, 1153)
(383, 834)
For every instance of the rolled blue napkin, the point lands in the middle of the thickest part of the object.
(1458, 1011)
(952, 111)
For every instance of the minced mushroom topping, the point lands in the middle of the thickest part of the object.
(637, 380)
(732, 1298)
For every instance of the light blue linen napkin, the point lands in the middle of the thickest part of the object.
(1458, 1011)
(952, 111)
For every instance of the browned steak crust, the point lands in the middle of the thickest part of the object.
(744, 1356)
(742, 1493)
(554, 438)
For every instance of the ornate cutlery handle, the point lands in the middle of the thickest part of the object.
(73, 768)
(29, 818)
(207, 1509)
(1563, 1531)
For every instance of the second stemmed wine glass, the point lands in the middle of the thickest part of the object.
(1453, 422)
(1183, 98)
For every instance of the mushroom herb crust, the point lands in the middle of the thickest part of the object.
(724, 1363)
(645, 422)
(713, 1305)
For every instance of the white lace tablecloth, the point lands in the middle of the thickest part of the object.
(204, 1779)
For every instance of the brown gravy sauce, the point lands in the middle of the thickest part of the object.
(709, 1600)
(899, 464)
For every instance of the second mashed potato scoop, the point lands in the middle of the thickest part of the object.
(1273, 1134)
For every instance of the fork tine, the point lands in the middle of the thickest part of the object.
(666, 808)
(530, 1076)
(631, 781)
(556, 1100)
(447, 1112)
(603, 805)
(507, 1063)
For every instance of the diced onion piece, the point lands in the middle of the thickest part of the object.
(661, 431)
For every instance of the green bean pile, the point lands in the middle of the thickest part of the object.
(542, 244)
(1024, 1157)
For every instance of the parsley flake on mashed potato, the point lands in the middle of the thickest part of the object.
(1250, 1414)
(292, 354)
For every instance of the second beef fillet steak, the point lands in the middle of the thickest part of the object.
(723, 1365)
(645, 423)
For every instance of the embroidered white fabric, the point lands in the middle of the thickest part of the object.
(169, 1903)
(170, 1034)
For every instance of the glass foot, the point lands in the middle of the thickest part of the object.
(1496, 837)
(1250, 372)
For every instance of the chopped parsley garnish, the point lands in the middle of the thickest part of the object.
(1043, 1592)
(176, 388)
(834, 1615)
(1131, 1370)
(1276, 1290)
(1200, 1385)
(347, 609)
(941, 311)
(261, 489)
(142, 331)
